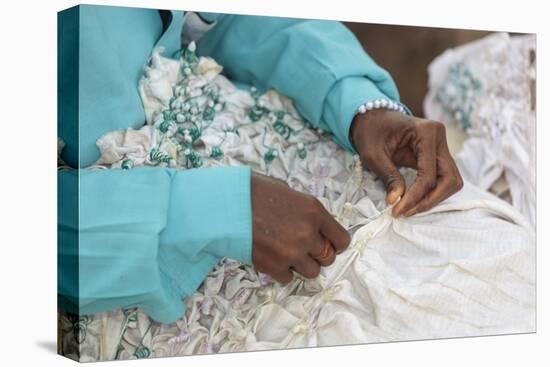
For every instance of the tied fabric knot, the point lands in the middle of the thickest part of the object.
(303, 327)
(182, 337)
(206, 306)
(346, 214)
(362, 243)
(329, 293)
(357, 171)
(266, 293)
(241, 298)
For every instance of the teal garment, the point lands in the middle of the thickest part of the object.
(318, 63)
(147, 237)
(150, 238)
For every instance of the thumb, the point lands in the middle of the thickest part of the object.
(383, 166)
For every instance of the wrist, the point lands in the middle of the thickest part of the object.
(374, 109)
(361, 122)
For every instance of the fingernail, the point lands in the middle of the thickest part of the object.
(392, 198)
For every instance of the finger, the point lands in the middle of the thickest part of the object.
(307, 267)
(283, 276)
(441, 192)
(334, 232)
(317, 248)
(266, 263)
(426, 175)
(382, 165)
(449, 183)
(327, 255)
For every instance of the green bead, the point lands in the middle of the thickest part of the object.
(185, 69)
(195, 159)
(194, 133)
(130, 314)
(190, 57)
(164, 126)
(270, 155)
(127, 164)
(217, 153)
(282, 128)
(209, 113)
(211, 92)
(157, 156)
(302, 153)
(142, 352)
(256, 113)
(169, 115)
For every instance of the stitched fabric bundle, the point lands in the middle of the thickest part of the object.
(487, 88)
(464, 268)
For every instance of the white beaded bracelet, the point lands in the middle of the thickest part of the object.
(381, 103)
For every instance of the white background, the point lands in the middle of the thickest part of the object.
(28, 181)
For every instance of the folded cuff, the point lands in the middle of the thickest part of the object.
(209, 217)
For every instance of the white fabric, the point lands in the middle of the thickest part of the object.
(501, 126)
(465, 268)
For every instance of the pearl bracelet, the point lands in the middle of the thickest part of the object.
(381, 103)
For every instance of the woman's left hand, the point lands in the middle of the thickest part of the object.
(386, 139)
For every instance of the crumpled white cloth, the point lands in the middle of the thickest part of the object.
(464, 268)
(486, 86)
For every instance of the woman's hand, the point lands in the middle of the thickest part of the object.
(290, 230)
(385, 139)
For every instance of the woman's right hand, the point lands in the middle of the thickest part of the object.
(290, 229)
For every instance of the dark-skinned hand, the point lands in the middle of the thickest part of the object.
(290, 229)
(386, 139)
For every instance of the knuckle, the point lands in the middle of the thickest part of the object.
(314, 206)
(454, 184)
(286, 254)
(459, 183)
(439, 126)
(343, 242)
(292, 254)
(433, 125)
(303, 238)
(394, 179)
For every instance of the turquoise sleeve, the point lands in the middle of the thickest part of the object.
(144, 237)
(147, 237)
(318, 63)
